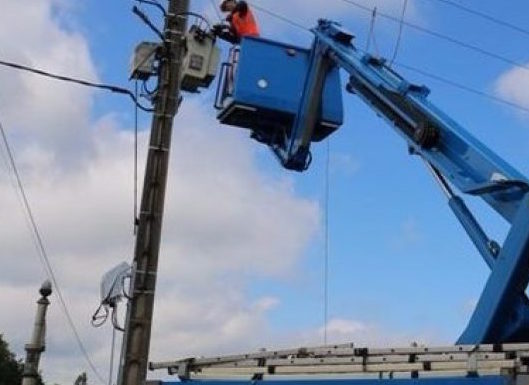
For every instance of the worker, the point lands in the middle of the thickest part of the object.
(241, 22)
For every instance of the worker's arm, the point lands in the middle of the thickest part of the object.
(226, 32)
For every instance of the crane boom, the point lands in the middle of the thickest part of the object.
(289, 116)
(453, 155)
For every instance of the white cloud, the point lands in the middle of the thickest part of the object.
(45, 113)
(513, 85)
(343, 163)
(340, 330)
(408, 235)
(226, 222)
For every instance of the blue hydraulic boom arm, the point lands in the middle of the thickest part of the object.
(455, 158)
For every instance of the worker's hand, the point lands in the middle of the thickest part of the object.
(217, 29)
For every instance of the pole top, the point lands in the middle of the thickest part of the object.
(45, 289)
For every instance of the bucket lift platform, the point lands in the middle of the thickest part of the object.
(260, 88)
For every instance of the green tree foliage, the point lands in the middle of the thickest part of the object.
(10, 368)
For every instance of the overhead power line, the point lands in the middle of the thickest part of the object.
(401, 27)
(39, 244)
(485, 16)
(441, 36)
(280, 17)
(464, 87)
(441, 79)
(86, 83)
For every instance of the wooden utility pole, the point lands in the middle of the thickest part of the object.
(137, 335)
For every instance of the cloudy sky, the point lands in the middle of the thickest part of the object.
(241, 264)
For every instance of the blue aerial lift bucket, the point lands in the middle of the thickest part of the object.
(260, 89)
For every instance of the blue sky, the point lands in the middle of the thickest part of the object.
(400, 267)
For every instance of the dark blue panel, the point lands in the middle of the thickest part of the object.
(284, 68)
(486, 380)
(268, 82)
(270, 61)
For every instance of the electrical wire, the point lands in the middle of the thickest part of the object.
(44, 255)
(485, 16)
(135, 219)
(464, 87)
(280, 17)
(216, 10)
(111, 88)
(197, 15)
(112, 349)
(99, 320)
(441, 36)
(326, 262)
(427, 74)
(399, 37)
(143, 17)
(371, 33)
(114, 319)
(155, 4)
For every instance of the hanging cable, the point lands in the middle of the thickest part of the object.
(416, 27)
(485, 16)
(326, 262)
(431, 75)
(135, 160)
(99, 319)
(44, 255)
(464, 87)
(441, 36)
(278, 16)
(111, 88)
(143, 17)
(112, 349)
(371, 34)
(399, 37)
(216, 10)
(115, 322)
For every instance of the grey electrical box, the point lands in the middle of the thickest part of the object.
(142, 63)
(201, 60)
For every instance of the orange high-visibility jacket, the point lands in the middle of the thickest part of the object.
(244, 25)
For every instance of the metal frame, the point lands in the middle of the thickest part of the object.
(454, 157)
(456, 160)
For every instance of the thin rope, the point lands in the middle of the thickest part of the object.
(217, 12)
(44, 255)
(136, 160)
(82, 82)
(280, 17)
(112, 349)
(399, 37)
(485, 16)
(326, 263)
(371, 35)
